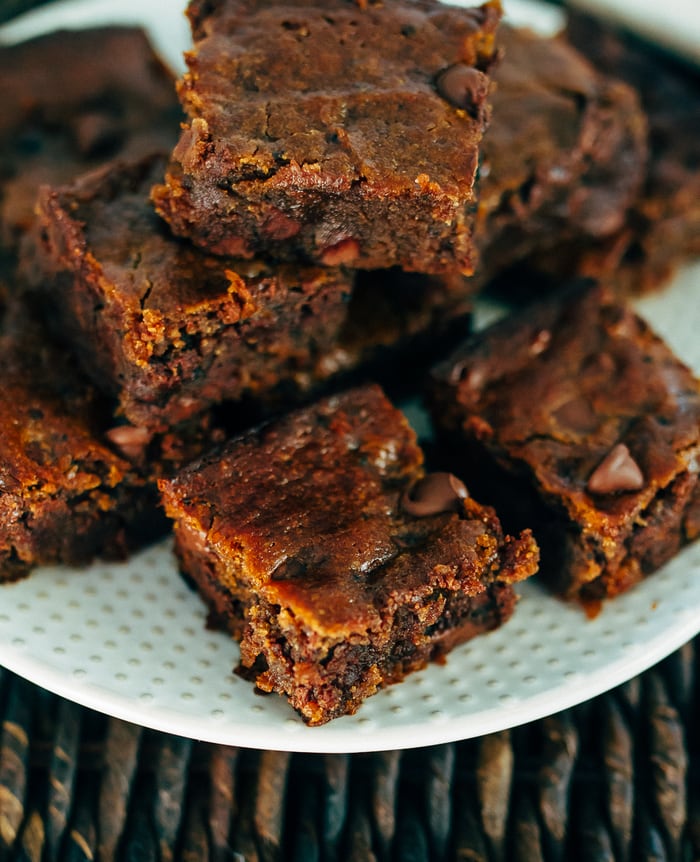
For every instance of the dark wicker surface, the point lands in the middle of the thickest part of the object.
(616, 778)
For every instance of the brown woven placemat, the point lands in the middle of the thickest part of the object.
(617, 778)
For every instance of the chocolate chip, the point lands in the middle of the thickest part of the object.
(540, 341)
(130, 440)
(577, 415)
(433, 494)
(345, 251)
(464, 87)
(97, 133)
(617, 472)
(472, 377)
(288, 570)
(279, 226)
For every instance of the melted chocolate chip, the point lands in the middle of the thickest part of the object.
(464, 87)
(473, 377)
(97, 134)
(540, 341)
(577, 415)
(433, 494)
(288, 570)
(617, 472)
(130, 440)
(345, 251)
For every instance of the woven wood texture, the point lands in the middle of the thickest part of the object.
(617, 778)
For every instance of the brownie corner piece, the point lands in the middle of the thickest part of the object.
(333, 132)
(584, 425)
(318, 541)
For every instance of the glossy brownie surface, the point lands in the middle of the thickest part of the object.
(308, 516)
(335, 132)
(578, 407)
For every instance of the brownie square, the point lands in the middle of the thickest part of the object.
(67, 494)
(582, 424)
(663, 229)
(335, 132)
(72, 100)
(318, 542)
(564, 156)
(170, 330)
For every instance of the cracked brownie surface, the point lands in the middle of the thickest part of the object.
(581, 423)
(335, 132)
(315, 543)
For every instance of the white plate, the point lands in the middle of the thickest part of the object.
(675, 24)
(129, 640)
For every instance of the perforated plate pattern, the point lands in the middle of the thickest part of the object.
(130, 640)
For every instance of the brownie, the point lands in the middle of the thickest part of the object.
(170, 330)
(67, 494)
(321, 545)
(663, 228)
(564, 156)
(335, 132)
(581, 423)
(70, 101)
(7, 276)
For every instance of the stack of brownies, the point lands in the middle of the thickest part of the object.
(348, 177)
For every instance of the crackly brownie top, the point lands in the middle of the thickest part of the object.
(308, 511)
(72, 99)
(51, 422)
(581, 392)
(388, 94)
(157, 288)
